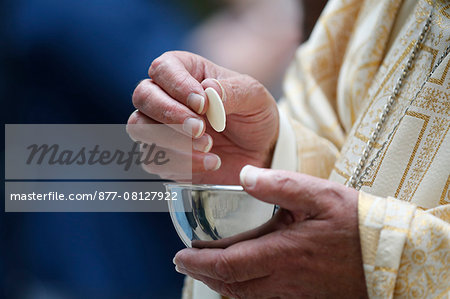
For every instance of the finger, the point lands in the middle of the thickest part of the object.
(239, 92)
(240, 262)
(171, 163)
(179, 74)
(176, 73)
(290, 190)
(142, 128)
(255, 288)
(154, 102)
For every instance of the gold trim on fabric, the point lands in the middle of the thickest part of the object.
(368, 236)
(441, 80)
(433, 52)
(366, 139)
(429, 164)
(396, 229)
(442, 201)
(425, 119)
(388, 77)
(370, 183)
(364, 203)
(341, 9)
(342, 174)
(385, 269)
(443, 12)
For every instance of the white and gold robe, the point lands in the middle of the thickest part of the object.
(335, 91)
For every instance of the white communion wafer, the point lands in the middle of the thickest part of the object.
(216, 112)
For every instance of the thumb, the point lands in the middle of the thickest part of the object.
(290, 190)
(240, 93)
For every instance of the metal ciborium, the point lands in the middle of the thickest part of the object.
(216, 215)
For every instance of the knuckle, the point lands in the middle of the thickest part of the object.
(130, 127)
(282, 181)
(133, 119)
(169, 113)
(141, 93)
(181, 82)
(330, 191)
(249, 79)
(256, 88)
(223, 269)
(285, 185)
(155, 65)
(147, 99)
(159, 64)
(252, 83)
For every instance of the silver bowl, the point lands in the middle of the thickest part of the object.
(216, 215)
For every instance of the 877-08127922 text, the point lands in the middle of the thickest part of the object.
(97, 195)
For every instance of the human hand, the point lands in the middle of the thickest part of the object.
(314, 250)
(175, 95)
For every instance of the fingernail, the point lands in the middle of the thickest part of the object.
(203, 144)
(193, 126)
(249, 175)
(173, 261)
(196, 102)
(212, 162)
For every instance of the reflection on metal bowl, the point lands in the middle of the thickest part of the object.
(216, 215)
